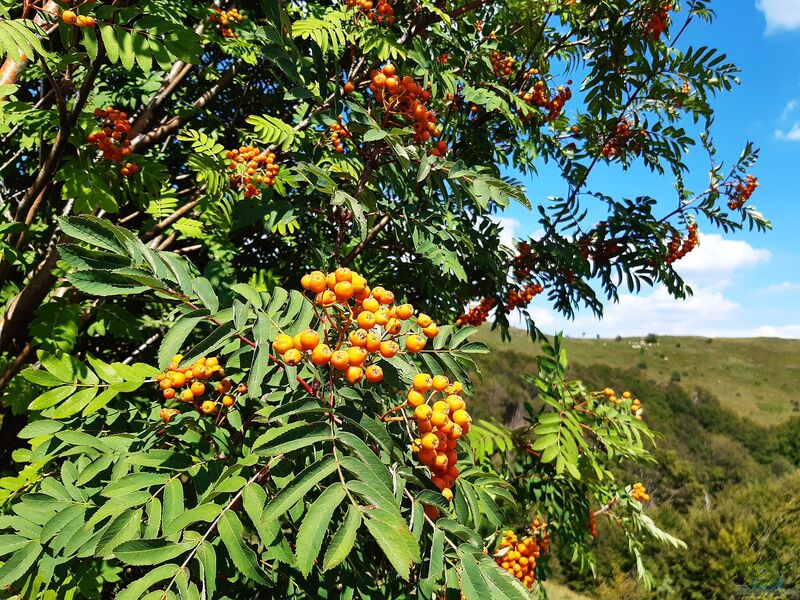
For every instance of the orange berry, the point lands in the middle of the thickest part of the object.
(344, 291)
(166, 414)
(208, 407)
(373, 342)
(381, 316)
(455, 402)
(373, 373)
(283, 343)
(296, 343)
(305, 281)
(358, 337)
(440, 463)
(422, 382)
(187, 396)
(321, 355)
(422, 412)
(228, 401)
(326, 298)
(461, 417)
(405, 311)
(292, 357)
(415, 398)
(439, 418)
(340, 360)
(448, 494)
(426, 455)
(415, 343)
(316, 281)
(198, 388)
(343, 274)
(431, 331)
(354, 374)
(442, 406)
(424, 320)
(349, 88)
(211, 362)
(309, 339)
(439, 383)
(366, 320)
(370, 304)
(429, 442)
(356, 355)
(393, 326)
(388, 69)
(69, 17)
(224, 386)
(389, 348)
(168, 394)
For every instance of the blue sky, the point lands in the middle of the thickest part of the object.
(747, 284)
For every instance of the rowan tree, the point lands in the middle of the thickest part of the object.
(230, 410)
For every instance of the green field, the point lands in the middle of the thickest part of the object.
(755, 377)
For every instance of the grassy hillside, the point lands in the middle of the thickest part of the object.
(754, 377)
(726, 479)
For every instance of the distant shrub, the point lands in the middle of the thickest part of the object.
(709, 340)
(642, 365)
(676, 377)
(618, 338)
(651, 338)
(677, 344)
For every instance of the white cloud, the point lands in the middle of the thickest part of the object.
(509, 228)
(780, 14)
(511, 231)
(778, 288)
(790, 135)
(788, 109)
(715, 260)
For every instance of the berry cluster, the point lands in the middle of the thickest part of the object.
(518, 557)
(636, 405)
(379, 12)
(522, 297)
(638, 492)
(404, 97)
(658, 23)
(226, 20)
(442, 418)
(502, 64)
(195, 384)
(252, 166)
(439, 149)
(359, 326)
(742, 192)
(339, 133)
(70, 17)
(113, 139)
(622, 135)
(478, 314)
(591, 525)
(539, 95)
(679, 247)
(524, 261)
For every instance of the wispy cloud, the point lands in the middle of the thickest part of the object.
(790, 135)
(780, 14)
(791, 105)
(778, 288)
